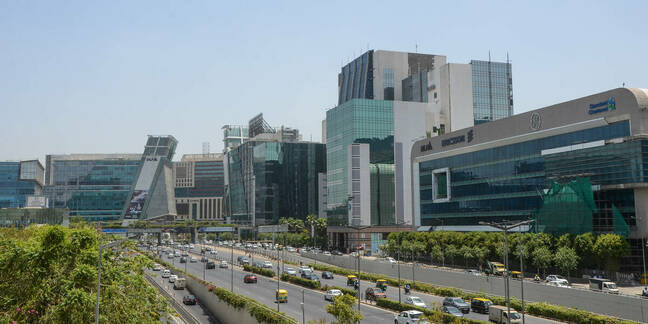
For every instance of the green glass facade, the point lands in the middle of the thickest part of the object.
(361, 121)
(492, 85)
(270, 180)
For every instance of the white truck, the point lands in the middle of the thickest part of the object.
(604, 285)
(179, 284)
(499, 315)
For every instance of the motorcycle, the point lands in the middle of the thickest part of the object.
(407, 289)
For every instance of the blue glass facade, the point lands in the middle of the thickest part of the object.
(356, 79)
(13, 191)
(506, 182)
(92, 189)
(492, 85)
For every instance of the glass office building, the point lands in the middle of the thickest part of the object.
(492, 85)
(360, 121)
(270, 179)
(586, 160)
(19, 180)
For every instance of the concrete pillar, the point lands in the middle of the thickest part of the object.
(193, 235)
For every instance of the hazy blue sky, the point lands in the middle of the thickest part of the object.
(98, 76)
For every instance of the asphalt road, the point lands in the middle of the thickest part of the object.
(392, 292)
(264, 292)
(198, 311)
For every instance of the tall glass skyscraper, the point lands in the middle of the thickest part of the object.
(492, 90)
(18, 180)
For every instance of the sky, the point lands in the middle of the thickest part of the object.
(98, 76)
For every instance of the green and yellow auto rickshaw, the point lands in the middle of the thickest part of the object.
(382, 284)
(282, 296)
(351, 280)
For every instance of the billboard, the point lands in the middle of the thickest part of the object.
(142, 187)
(136, 204)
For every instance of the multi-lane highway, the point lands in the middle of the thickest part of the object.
(264, 292)
(392, 292)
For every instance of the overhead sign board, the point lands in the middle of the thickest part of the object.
(144, 230)
(273, 228)
(216, 229)
(113, 230)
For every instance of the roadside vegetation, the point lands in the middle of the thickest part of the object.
(48, 274)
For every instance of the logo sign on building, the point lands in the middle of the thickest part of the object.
(536, 121)
(458, 139)
(602, 106)
(426, 147)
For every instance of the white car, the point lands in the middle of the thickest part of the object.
(290, 271)
(408, 317)
(157, 267)
(555, 278)
(303, 269)
(332, 293)
(267, 264)
(191, 246)
(223, 264)
(390, 260)
(166, 273)
(171, 255)
(327, 253)
(172, 278)
(559, 283)
(416, 301)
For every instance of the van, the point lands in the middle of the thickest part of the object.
(179, 284)
(166, 274)
(498, 315)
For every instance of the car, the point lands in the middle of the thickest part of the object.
(213, 252)
(157, 267)
(240, 259)
(327, 253)
(473, 272)
(408, 317)
(559, 283)
(172, 278)
(210, 265)
(223, 264)
(183, 260)
(336, 252)
(191, 246)
(250, 278)
(480, 305)
(171, 256)
(389, 260)
(193, 260)
(184, 254)
(306, 273)
(332, 293)
(257, 264)
(452, 311)
(189, 300)
(550, 278)
(267, 264)
(208, 249)
(305, 268)
(373, 293)
(290, 271)
(166, 273)
(458, 303)
(327, 275)
(416, 301)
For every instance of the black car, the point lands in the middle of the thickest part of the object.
(211, 265)
(310, 276)
(336, 252)
(458, 303)
(480, 305)
(189, 300)
(183, 260)
(327, 275)
(257, 264)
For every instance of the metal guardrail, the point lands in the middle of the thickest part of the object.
(184, 313)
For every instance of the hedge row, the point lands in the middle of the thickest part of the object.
(257, 270)
(555, 312)
(262, 313)
(434, 315)
(312, 284)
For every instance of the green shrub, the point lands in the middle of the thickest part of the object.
(257, 270)
(438, 316)
(313, 284)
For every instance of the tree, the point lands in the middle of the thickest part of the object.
(584, 246)
(226, 236)
(542, 258)
(436, 254)
(467, 253)
(609, 248)
(564, 240)
(566, 259)
(342, 309)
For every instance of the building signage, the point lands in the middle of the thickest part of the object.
(458, 139)
(426, 147)
(602, 106)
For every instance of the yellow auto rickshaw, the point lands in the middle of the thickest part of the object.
(351, 280)
(282, 296)
(382, 284)
(516, 274)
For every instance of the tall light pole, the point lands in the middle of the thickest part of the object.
(399, 280)
(506, 227)
(232, 268)
(101, 247)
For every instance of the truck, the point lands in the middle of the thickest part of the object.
(604, 285)
(495, 268)
(179, 284)
(498, 314)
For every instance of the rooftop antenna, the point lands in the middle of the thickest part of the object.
(489, 59)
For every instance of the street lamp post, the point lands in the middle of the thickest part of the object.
(399, 279)
(506, 227)
(232, 268)
(101, 247)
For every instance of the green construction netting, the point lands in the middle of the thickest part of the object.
(567, 208)
(620, 225)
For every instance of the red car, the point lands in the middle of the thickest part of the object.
(250, 278)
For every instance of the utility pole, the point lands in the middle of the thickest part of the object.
(232, 268)
(303, 306)
(399, 280)
(506, 227)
